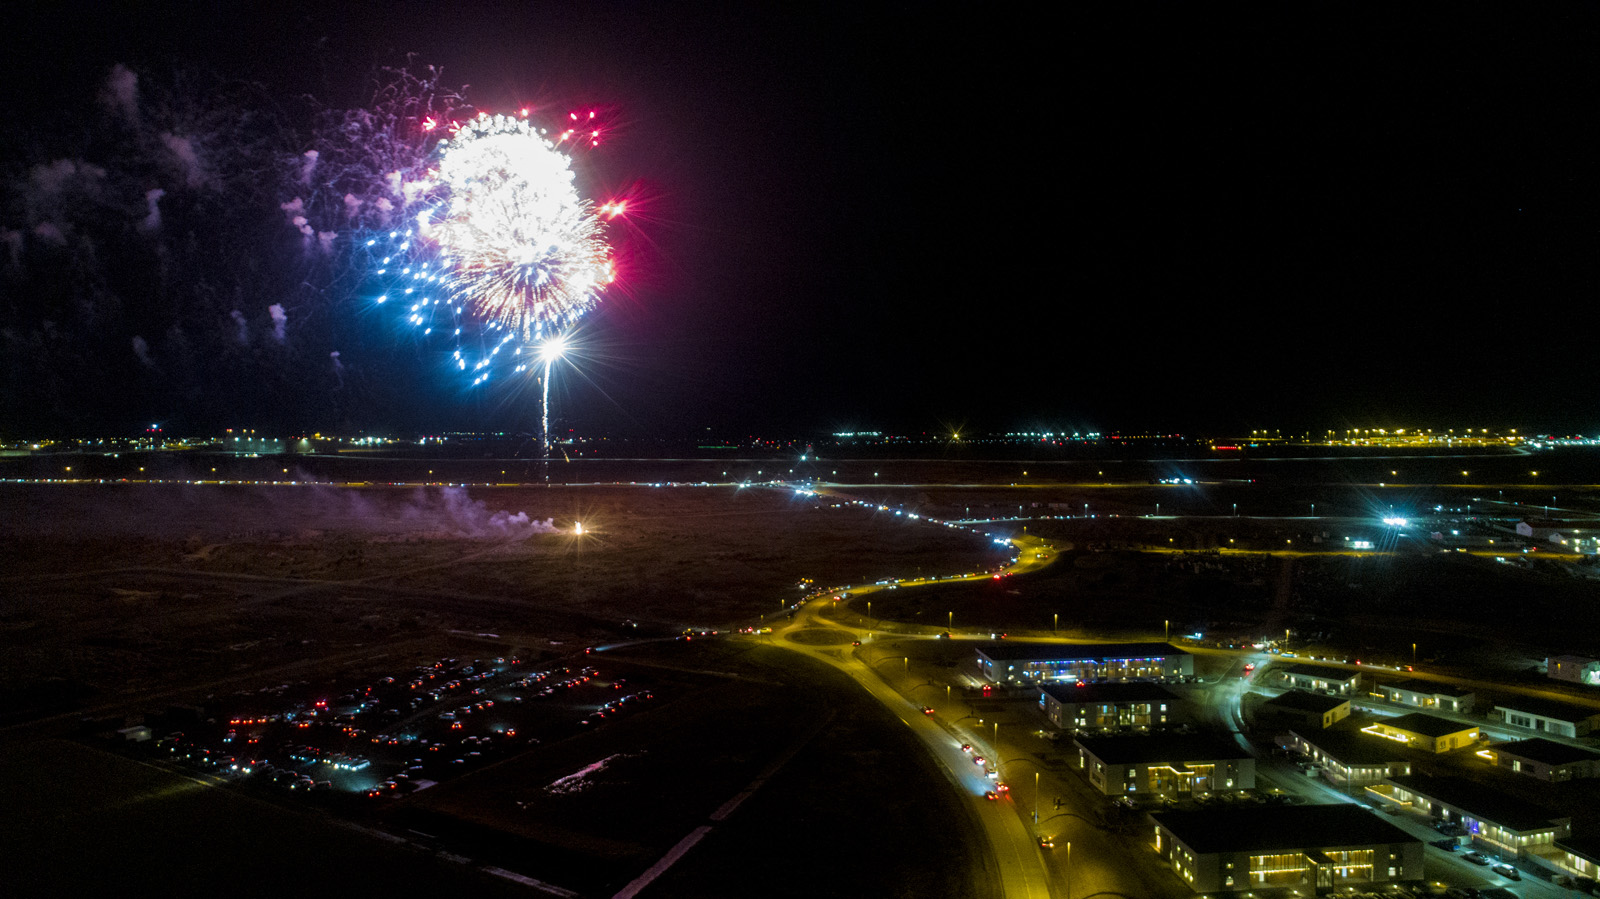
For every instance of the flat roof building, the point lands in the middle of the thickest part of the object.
(1425, 694)
(1546, 759)
(1027, 662)
(1175, 766)
(1347, 758)
(1577, 855)
(1306, 709)
(1544, 716)
(1317, 679)
(1424, 732)
(1574, 669)
(1106, 706)
(1318, 847)
(1497, 819)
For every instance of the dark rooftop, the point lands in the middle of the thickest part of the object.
(1277, 828)
(1073, 652)
(1301, 701)
(1427, 725)
(1339, 674)
(1480, 801)
(1138, 750)
(1546, 708)
(1547, 751)
(1349, 747)
(1586, 845)
(1136, 691)
(1428, 686)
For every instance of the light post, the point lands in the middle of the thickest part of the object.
(1069, 870)
(1055, 623)
(869, 613)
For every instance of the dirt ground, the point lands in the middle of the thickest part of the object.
(121, 590)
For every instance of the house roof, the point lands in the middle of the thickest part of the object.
(1426, 686)
(1135, 691)
(1301, 701)
(1348, 747)
(1338, 674)
(1480, 801)
(1546, 708)
(1078, 652)
(1279, 828)
(1139, 750)
(1427, 725)
(1548, 752)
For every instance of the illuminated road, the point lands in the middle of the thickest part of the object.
(1019, 861)
(1021, 868)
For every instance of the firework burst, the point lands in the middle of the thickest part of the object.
(517, 245)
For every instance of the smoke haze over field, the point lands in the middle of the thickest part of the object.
(211, 512)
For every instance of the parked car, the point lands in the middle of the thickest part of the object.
(1507, 872)
(1477, 858)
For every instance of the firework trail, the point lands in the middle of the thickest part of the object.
(504, 252)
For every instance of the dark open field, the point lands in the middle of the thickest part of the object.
(126, 589)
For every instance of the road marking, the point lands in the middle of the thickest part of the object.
(667, 861)
(530, 882)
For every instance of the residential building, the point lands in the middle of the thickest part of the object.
(1544, 716)
(1317, 679)
(1424, 732)
(1346, 758)
(1425, 694)
(1305, 709)
(1536, 529)
(1176, 766)
(1574, 669)
(1502, 822)
(1546, 759)
(1317, 847)
(1576, 856)
(1012, 662)
(1106, 706)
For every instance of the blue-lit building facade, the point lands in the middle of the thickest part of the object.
(1017, 663)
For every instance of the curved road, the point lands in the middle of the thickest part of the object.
(1018, 858)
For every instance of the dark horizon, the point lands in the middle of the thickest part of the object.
(877, 220)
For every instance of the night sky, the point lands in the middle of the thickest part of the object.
(868, 217)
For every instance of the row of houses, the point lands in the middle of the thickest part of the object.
(1531, 713)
